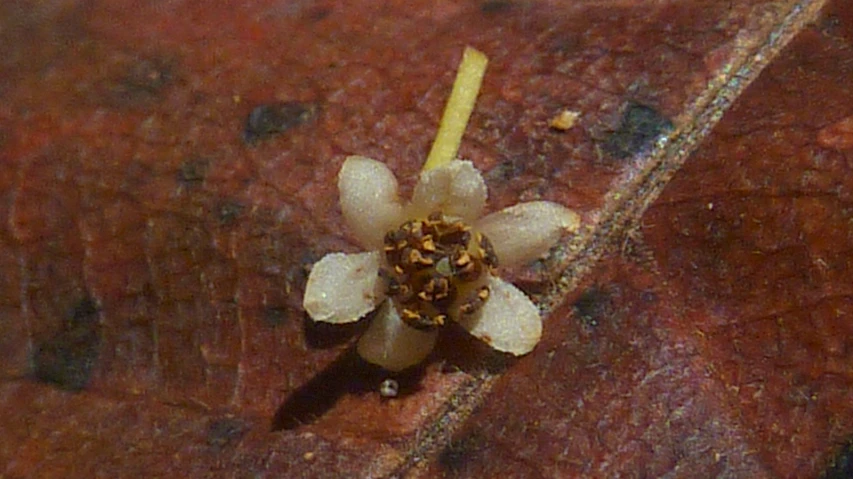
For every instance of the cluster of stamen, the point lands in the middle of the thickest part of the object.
(434, 265)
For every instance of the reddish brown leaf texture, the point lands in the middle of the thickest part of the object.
(168, 176)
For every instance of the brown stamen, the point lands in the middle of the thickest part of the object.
(430, 261)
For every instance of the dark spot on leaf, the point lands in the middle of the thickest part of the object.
(649, 296)
(490, 7)
(139, 81)
(228, 211)
(225, 431)
(192, 172)
(460, 452)
(841, 465)
(148, 76)
(84, 313)
(566, 43)
(319, 13)
(593, 306)
(273, 118)
(639, 128)
(275, 316)
(348, 374)
(831, 26)
(68, 358)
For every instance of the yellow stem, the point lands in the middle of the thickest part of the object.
(458, 109)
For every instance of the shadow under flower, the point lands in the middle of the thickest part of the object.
(348, 374)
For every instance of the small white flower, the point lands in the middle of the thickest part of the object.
(430, 260)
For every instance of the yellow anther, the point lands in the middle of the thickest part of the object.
(428, 244)
(415, 257)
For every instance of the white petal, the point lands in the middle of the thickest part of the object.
(508, 321)
(392, 344)
(343, 287)
(526, 231)
(456, 189)
(369, 200)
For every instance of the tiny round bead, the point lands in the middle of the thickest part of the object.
(389, 388)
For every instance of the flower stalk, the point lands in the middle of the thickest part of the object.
(461, 103)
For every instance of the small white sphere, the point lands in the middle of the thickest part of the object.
(389, 388)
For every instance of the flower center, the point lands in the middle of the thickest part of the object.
(434, 265)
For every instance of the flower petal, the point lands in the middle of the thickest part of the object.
(456, 189)
(369, 200)
(343, 287)
(508, 321)
(526, 231)
(392, 344)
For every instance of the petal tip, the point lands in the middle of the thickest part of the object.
(569, 220)
(368, 199)
(392, 344)
(342, 288)
(456, 188)
(526, 231)
(508, 322)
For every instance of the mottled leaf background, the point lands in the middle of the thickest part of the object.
(167, 176)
